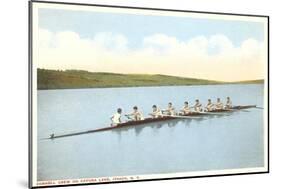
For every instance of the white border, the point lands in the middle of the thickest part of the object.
(146, 177)
(37, 5)
(147, 12)
(34, 91)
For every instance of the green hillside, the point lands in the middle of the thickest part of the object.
(73, 79)
(69, 79)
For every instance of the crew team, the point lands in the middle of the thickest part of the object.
(136, 115)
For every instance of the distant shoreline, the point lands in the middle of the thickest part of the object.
(77, 79)
(150, 86)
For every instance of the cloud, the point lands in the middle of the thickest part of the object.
(221, 44)
(45, 38)
(111, 41)
(160, 42)
(213, 57)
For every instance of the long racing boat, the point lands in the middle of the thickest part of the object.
(191, 115)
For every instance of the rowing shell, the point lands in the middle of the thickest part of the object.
(191, 115)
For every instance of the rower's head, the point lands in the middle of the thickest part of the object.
(154, 107)
(228, 98)
(218, 99)
(119, 110)
(170, 104)
(209, 100)
(186, 103)
(135, 108)
(197, 100)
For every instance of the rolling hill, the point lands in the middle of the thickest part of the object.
(73, 79)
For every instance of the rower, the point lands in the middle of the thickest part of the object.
(185, 109)
(116, 118)
(228, 104)
(219, 104)
(210, 106)
(170, 110)
(156, 112)
(136, 114)
(198, 106)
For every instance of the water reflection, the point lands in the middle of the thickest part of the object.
(171, 124)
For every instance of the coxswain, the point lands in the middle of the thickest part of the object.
(116, 118)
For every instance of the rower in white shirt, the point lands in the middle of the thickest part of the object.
(219, 104)
(156, 112)
(185, 109)
(228, 104)
(136, 115)
(170, 110)
(210, 106)
(116, 118)
(197, 106)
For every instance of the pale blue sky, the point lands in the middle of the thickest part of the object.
(136, 27)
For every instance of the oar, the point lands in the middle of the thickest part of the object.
(178, 116)
(164, 111)
(237, 110)
(128, 117)
(183, 117)
(213, 113)
(244, 110)
(259, 107)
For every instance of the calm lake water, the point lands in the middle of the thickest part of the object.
(214, 143)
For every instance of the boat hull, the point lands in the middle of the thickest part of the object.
(152, 120)
(243, 107)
